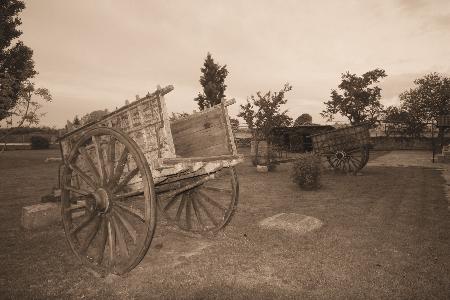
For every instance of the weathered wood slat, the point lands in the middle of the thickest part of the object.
(219, 149)
(202, 121)
(203, 139)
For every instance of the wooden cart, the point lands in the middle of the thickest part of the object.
(119, 170)
(346, 149)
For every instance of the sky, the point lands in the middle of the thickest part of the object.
(94, 55)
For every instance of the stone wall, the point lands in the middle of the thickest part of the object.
(403, 143)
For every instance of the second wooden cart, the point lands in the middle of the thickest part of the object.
(346, 149)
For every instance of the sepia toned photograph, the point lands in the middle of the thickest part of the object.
(260, 149)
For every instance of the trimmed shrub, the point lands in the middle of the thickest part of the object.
(39, 142)
(306, 171)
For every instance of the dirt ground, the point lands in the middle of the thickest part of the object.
(386, 235)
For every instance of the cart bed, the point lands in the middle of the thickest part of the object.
(202, 142)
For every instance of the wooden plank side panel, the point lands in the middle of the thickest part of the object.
(199, 147)
(203, 134)
(213, 150)
(196, 123)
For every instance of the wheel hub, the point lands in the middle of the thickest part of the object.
(340, 155)
(102, 200)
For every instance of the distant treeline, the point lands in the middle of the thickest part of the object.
(24, 134)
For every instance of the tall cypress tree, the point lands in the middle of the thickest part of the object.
(213, 83)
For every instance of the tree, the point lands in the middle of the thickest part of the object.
(360, 99)
(404, 121)
(429, 99)
(26, 111)
(16, 63)
(263, 112)
(303, 119)
(213, 83)
(19, 99)
(76, 121)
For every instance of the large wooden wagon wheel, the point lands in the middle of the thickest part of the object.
(348, 160)
(205, 204)
(108, 201)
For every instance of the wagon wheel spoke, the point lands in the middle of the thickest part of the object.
(77, 190)
(134, 212)
(349, 164)
(111, 156)
(83, 176)
(90, 163)
(188, 212)
(103, 240)
(120, 166)
(342, 164)
(77, 206)
(111, 242)
(126, 179)
(335, 161)
(88, 219)
(211, 201)
(197, 213)
(120, 237)
(124, 196)
(356, 163)
(129, 228)
(210, 215)
(172, 201)
(180, 208)
(90, 236)
(100, 158)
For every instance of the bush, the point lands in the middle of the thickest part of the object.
(306, 171)
(39, 142)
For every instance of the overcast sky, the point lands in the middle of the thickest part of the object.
(95, 54)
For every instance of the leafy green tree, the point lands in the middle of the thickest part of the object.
(429, 99)
(303, 119)
(360, 98)
(213, 83)
(16, 63)
(263, 112)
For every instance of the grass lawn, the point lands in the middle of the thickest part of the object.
(386, 234)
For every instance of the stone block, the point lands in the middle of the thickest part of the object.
(40, 215)
(262, 169)
(292, 222)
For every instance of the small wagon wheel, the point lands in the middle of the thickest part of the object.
(205, 208)
(108, 201)
(348, 160)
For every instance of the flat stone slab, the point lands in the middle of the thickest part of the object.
(292, 222)
(40, 215)
(262, 169)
